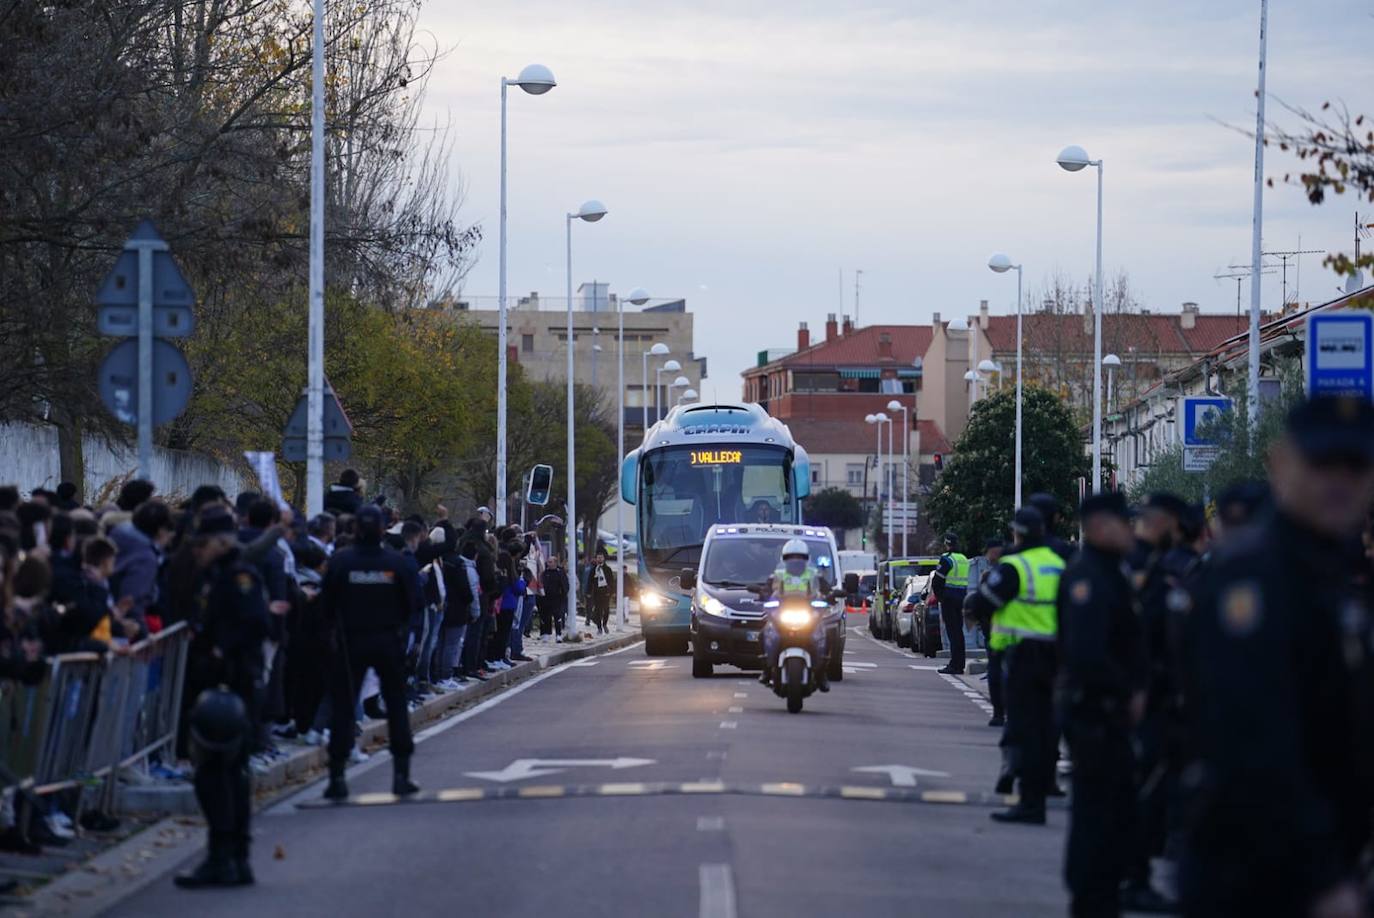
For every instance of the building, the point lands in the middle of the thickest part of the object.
(537, 333)
(1138, 431)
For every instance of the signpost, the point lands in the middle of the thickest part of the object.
(338, 431)
(1200, 447)
(1340, 354)
(143, 381)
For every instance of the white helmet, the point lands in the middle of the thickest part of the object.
(796, 548)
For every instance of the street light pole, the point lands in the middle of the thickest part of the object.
(535, 80)
(1257, 231)
(1072, 159)
(658, 350)
(638, 297)
(895, 405)
(314, 429)
(1001, 264)
(669, 366)
(591, 212)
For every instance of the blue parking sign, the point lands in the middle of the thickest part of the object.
(1340, 354)
(1201, 449)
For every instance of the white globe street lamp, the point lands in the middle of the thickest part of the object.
(1074, 159)
(880, 419)
(536, 79)
(658, 350)
(1001, 264)
(1111, 363)
(637, 297)
(589, 212)
(671, 366)
(895, 406)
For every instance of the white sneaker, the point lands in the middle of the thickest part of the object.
(357, 756)
(450, 685)
(311, 738)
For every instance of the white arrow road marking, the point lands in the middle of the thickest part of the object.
(521, 769)
(652, 665)
(850, 667)
(583, 663)
(901, 775)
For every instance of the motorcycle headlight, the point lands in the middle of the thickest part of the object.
(711, 606)
(796, 617)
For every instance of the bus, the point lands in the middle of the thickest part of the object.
(699, 466)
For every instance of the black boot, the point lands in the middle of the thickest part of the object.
(401, 785)
(338, 787)
(765, 677)
(1142, 897)
(242, 864)
(1006, 780)
(216, 870)
(1025, 813)
(822, 680)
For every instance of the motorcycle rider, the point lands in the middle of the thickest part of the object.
(794, 579)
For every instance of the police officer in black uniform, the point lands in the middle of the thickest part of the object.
(1103, 676)
(232, 623)
(369, 595)
(1278, 662)
(1048, 505)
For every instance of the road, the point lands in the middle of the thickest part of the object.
(723, 805)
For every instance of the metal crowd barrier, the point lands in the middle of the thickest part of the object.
(94, 714)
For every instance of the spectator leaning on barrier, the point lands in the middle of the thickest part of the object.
(141, 542)
(346, 495)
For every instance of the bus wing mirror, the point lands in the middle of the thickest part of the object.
(629, 473)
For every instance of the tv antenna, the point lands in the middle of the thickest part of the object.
(1284, 258)
(1239, 272)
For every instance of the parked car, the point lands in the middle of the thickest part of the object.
(892, 578)
(908, 608)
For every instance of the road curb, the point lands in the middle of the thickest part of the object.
(126, 868)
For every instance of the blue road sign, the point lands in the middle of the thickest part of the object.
(1340, 354)
(1200, 449)
(118, 382)
(172, 295)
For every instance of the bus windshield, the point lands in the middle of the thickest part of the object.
(684, 490)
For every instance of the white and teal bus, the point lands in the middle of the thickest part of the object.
(702, 465)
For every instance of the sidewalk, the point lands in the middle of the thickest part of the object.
(94, 872)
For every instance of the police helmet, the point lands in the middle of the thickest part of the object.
(951, 538)
(219, 722)
(796, 548)
(1029, 523)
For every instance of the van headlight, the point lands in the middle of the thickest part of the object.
(711, 606)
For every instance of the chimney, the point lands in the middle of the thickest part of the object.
(884, 346)
(1087, 317)
(832, 328)
(803, 337)
(847, 327)
(1188, 319)
(935, 319)
(982, 313)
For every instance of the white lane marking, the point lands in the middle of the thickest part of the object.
(717, 891)
(860, 663)
(717, 754)
(928, 669)
(521, 769)
(649, 666)
(741, 694)
(729, 724)
(288, 805)
(710, 823)
(901, 775)
(583, 663)
(735, 709)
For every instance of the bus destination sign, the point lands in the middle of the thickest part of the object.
(717, 457)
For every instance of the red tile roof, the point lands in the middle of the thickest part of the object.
(828, 437)
(859, 348)
(1152, 333)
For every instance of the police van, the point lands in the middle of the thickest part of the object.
(728, 593)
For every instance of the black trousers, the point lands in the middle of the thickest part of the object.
(952, 614)
(224, 790)
(1101, 822)
(1030, 729)
(601, 609)
(1155, 783)
(384, 652)
(996, 682)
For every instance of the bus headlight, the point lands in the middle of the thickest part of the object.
(796, 617)
(711, 606)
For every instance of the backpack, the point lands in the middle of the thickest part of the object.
(460, 588)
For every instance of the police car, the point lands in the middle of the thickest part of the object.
(728, 594)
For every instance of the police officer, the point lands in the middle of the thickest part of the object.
(949, 583)
(1048, 505)
(1020, 597)
(232, 625)
(1278, 660)
(369, 595)
(1101, 695)
(1162, 558)
(795, 578)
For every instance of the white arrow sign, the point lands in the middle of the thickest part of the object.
(902, 775)
(521, 769)
(652, 665)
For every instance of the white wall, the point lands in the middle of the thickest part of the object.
(29, 459)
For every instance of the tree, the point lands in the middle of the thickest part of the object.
(973, 495)
(835, 508)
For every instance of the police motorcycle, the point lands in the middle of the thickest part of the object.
(794, 638)
(797, 621)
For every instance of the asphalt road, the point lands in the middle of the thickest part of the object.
(734, 807)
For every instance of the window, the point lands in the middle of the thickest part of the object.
(817, 473)
(854, 474)
(527, 344)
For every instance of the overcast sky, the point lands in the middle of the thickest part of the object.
(748, 150)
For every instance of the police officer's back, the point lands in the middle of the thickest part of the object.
(1278, 658)
(1101, 695)
(370, 592)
